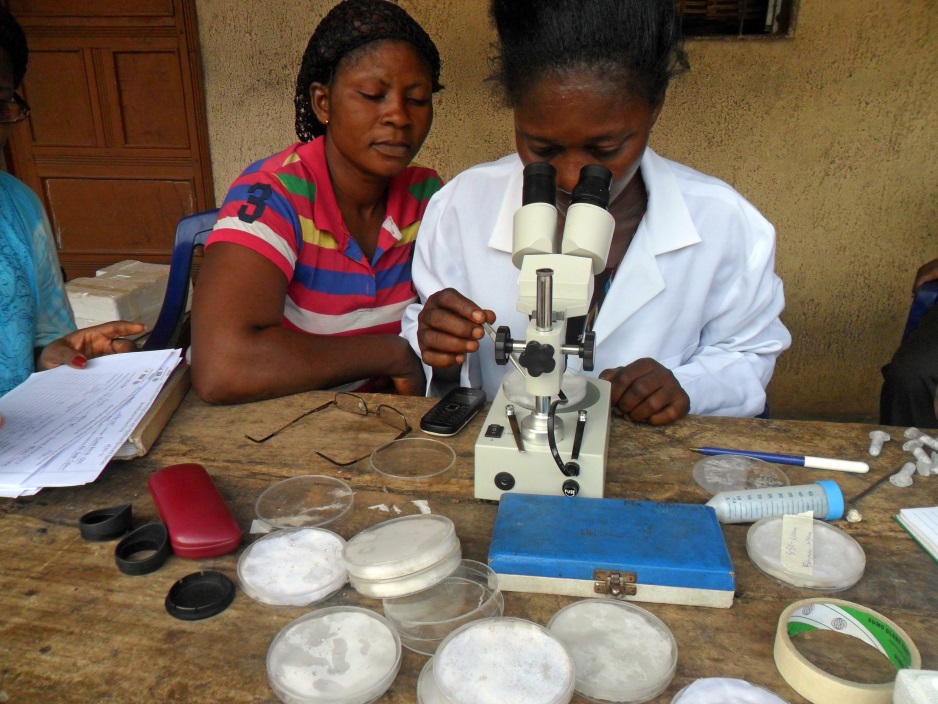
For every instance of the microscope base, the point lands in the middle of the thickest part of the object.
(500, 467)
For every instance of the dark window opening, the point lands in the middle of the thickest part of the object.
(735, 18)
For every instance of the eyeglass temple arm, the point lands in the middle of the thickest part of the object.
(282, 428)
(400, 435)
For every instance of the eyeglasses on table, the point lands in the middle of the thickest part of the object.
(350, 403)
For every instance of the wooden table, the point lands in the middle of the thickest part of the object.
(74, 629)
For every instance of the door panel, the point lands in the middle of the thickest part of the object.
(116, 144)
(50, 124)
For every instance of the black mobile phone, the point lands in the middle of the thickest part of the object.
(453, 411)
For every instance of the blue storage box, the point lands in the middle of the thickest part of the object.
(633, 550)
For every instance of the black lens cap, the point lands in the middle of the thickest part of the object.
(200, 595)
(105, 523)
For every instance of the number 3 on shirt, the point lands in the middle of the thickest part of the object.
(257, 196)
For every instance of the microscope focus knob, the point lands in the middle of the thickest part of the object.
(503, 343)
(537, 358)
(589, 350)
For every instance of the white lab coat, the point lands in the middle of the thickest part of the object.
(696, 290)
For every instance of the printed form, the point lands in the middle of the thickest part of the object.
(62, 426)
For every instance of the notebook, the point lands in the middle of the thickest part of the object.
(922, 525)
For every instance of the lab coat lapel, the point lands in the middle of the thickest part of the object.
(501, 238)
(667, 226)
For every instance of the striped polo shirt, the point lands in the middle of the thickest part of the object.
(284, 208)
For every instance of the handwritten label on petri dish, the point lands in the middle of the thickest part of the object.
(798, 543)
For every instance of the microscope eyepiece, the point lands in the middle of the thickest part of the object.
(539, 179)
(593, 186)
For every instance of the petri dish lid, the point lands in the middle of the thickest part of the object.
(400, 546)
(293, 567)
(309, 500)
(718, 473)
(839, 561)
(503, 659)
(725, 690)
(413, 458)
(573, 386)
(424, 619)
(622, 652)
(338, 655)
(409, 583)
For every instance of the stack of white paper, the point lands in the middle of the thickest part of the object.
(62, 426)
(922, 525)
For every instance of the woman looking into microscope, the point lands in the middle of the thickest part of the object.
(686, 312)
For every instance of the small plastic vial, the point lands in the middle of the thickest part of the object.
(824, 498)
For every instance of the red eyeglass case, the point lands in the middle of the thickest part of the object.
(199, 521)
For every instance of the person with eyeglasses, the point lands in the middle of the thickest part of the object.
(308, 270)
(37, 329)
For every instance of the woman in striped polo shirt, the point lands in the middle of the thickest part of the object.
(308, 271)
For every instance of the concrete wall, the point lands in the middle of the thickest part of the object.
(830, 133)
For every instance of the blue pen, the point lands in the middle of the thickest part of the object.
(797, 460)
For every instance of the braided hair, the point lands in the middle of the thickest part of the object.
(348, 26)
(637, 42)
(13, 42)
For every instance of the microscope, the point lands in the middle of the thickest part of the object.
(547, 431)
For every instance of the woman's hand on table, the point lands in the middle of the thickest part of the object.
(76, 348)
(647, 392)
(449, 327)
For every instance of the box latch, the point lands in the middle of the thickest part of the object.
(615, 584)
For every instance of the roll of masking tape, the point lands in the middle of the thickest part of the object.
(820, 687)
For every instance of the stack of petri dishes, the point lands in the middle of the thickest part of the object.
(424, 619)
(338, 655)
(623, 653)
(402, 556)
(498, 660)
(293, 567)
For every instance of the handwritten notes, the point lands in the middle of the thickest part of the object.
(798, 543)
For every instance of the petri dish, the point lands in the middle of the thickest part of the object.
(293, 567)
(718, 473)
(424, 619)
(428, 691)
(725, 690)
(413, 458)
(839, 561)
(338, 655)
(622, 652)
(409, 583)
(400, 546)
(503, 659)
(310, 500)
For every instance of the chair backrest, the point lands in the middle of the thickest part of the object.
(924, 299)
(191, 232)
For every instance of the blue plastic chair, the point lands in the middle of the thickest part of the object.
(925, 297)
(191, 232)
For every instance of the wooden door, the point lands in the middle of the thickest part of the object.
(116, 144)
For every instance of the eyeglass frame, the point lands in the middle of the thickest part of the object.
(23, 105)
(334, 402)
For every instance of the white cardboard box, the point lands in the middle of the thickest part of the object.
(129, 290)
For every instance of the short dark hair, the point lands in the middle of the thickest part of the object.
(636, 41)
(347, 27)
(13, 42)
